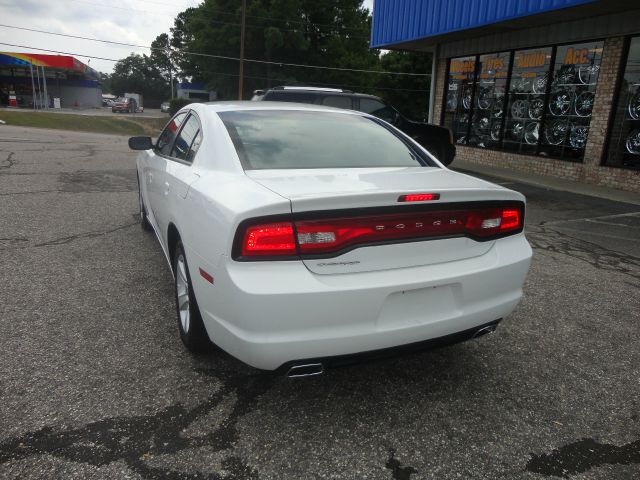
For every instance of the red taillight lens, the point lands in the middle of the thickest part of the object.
(334, 235)
(269, 239)
(510, 219)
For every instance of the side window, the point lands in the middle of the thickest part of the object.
(186, 138)
(165, 141)
(194, 147)
(338, 101)
(377, 109)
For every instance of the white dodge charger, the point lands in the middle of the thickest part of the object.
(301, 237)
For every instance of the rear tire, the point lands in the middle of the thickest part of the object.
(192, 331)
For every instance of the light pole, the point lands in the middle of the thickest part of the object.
(242, 32)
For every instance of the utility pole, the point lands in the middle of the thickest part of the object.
(242, 32)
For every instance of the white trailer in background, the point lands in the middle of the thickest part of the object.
(138, 99)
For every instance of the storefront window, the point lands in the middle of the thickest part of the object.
(527, 90)
(459, 97)
(624, 143)
(571, 98)
(489, 100)
(534, 101)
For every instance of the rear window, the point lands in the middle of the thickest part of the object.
(279, 139)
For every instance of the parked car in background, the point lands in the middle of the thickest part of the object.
(164, 107)
(436, 139)
(137, 97)
(301, 236)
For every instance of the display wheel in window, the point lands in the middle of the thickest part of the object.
(578, 136)
(498, 105)
(495, 130)
(633, 142)
(536, 108)
(588, 75)
(560, 102)
(485, 98)
(466, 98)
(452, 101)
(565, 76)
(523, 85)
(634, 106)
(584, 104)
(516, 130)
(556, 132)
(540, 83)
(519, 109)
(532, 133)
(482, 124)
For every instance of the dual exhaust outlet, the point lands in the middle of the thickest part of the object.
(315, 369)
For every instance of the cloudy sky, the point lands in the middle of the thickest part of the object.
(134, 21)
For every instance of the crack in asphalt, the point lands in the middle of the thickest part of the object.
(398, 472)
(136, 440)
(71, 238)
(9, 160)
(552, 240)
(583, 455)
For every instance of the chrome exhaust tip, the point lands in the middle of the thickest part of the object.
(305, 370)
(484, 331)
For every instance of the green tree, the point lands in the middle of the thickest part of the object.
(408, 93)
(329, 33)
(140, 74)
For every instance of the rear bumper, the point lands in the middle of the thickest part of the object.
(268, 314)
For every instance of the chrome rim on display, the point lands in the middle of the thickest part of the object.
(556, 132)
(532, 133)
(495, 131)
(540, 84)
(560, 102)
(483, 124)
(452, 101)
(523, 85)
(182, 294)
(565, 77)
(536, 108)
(466, 98)
(485, 98)
(578, 136)
(516, 130)
(633, 142)
(584, 104)
(634, 106)
(588, 75)
(519, 109)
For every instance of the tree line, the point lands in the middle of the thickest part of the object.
(331, 33)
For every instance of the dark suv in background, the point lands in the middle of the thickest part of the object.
(436, 139)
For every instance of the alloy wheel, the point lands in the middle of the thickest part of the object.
(182, 293)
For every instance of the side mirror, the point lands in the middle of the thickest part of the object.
(140, 143)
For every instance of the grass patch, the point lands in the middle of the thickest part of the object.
(85, 123)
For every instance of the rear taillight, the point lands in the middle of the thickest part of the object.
(333, 236)
(269, 239)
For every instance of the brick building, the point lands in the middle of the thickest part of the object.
(544, 86)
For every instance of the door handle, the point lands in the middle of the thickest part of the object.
(150, 177)
(166, 188)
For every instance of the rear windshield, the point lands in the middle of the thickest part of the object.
(275, 139)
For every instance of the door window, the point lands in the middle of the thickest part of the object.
(377, 109)
(168, 135)
(338, 101)
(185, 140)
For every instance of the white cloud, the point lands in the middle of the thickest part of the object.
(136, 22)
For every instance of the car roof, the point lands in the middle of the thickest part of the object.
(320, 91)
(229, 106)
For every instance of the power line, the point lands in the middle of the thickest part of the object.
(207, 55)
(219, 73)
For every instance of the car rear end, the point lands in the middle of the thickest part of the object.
(368, 259)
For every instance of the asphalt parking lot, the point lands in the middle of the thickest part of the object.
(95, 383)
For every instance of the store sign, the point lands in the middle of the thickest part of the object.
(531, 60)
(578, 56)
(463, 66)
